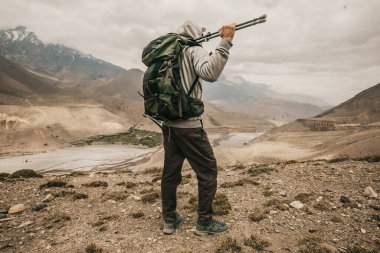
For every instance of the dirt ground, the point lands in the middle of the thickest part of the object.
(123, 213)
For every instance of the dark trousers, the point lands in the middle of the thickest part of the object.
(191, 144)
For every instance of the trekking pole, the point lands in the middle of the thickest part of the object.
(240, 26)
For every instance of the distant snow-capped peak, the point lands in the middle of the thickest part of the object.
(20, 33)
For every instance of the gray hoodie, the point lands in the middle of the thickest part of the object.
(196, 61)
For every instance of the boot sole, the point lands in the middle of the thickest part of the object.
(169, 231)
(203, 233)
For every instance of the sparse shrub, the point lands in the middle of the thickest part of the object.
(336, 219)
(77, 174)
(221, 205)
(128, 185)
(256, 243)
(239, 166)
(4, 176)
(63, 193)
(276, 203)
(229, 245)
(150, 197)
(290, 162)
(256, 171)
(117, 196)
(149, 190)
(322, 205)
(104, 220)
(341, 158)
(356, 249)
(370, 159)
(156, 178)
(96, 184)
(103, 228)
(92, 248)
(304, 197)
(54, 183)
(25, 173)
(137, 215)
(56, 218)
(153, 170)
(80, 196)
(239, 182)
(268, 191)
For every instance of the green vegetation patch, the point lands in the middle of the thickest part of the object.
(229, 245)
(4, 176)
(25, 173)
(133, 136)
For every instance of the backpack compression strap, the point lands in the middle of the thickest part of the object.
(193, 86)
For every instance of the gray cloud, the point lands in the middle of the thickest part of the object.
(324, 48)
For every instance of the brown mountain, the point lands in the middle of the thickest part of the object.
(363, 108)
(349, 129)
(16, 83)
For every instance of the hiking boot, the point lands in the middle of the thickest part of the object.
(170, 225)
(213, 227)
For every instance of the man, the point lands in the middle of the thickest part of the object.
(186, 139)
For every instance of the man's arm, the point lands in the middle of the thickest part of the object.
(209, 67)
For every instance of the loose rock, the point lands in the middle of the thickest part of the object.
(369, 192)
(296, 204)
(48, 198)
(39, 206)
(17, 209)
(345, 199)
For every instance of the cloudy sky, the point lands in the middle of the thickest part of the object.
(330, 48)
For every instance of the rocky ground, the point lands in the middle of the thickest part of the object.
(314, 206)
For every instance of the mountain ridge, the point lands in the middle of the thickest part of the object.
(65, 63)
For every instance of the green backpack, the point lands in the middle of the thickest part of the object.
(164, 95)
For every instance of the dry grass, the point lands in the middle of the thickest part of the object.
(128, 185)
(96, 184)
(92, 248)
(25, 173)
(256, 171)
(221, 205)
(240, 182)
(277, 204)
(256, 243)
(117, 196)
(150, 197)
(137, 215)
(153, 170)
(55, 183)
(56, 218)
(229, 245)
(77, 196)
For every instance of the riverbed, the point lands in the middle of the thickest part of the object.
(104, 157)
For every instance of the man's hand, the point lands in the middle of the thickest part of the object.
(227, 31)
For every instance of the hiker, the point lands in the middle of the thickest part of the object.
(186, 139)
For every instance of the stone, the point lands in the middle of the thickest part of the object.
(363, 231)
(369, 192)
(283, 193)
(296, 204)
(39, 206)
(48, 198)
(257, 216)
(25, 224)
(345, 199)
(17, 209)
(137, 198)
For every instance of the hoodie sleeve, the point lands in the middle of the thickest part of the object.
(209, 67)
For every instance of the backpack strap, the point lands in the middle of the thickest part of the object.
(193, 86)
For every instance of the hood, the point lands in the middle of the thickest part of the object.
(190, 30)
